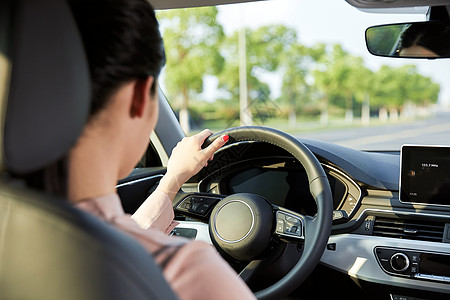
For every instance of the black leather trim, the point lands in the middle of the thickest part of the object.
(319, 229)
(275, 137)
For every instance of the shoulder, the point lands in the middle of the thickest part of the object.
(197, 271)
(176, 254)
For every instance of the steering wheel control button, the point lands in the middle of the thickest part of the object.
(288, 225)
(292, 220)
(280, 226)
(198, 205)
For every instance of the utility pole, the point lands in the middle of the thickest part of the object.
(245, 114)
(365, 112)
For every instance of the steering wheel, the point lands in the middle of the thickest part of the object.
(242, 225)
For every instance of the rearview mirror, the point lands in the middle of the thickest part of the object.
(410, 40)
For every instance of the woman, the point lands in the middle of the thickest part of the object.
(125, 53)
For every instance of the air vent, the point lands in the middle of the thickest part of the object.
(409, 229)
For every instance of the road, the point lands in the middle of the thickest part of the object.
(432, 131)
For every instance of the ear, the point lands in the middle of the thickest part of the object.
(141, 96)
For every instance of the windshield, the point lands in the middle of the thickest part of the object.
(301, 67)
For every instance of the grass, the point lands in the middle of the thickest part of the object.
(303, 125)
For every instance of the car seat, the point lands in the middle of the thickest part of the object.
(48, 249)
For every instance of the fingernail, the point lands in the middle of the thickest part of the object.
(225, 138)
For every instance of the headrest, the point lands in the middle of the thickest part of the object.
(47, 102)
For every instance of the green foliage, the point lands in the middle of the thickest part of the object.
(296, 65)
(317, 78)
(340, 77)
(265, 48)
(192, 40)
(395, 87)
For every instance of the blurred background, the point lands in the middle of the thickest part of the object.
(302, 67)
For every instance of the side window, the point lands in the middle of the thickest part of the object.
(150, 158)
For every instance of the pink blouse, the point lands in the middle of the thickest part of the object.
(193, 269)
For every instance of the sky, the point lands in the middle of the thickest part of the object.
(338, 22)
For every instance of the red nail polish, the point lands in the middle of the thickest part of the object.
(225, 138)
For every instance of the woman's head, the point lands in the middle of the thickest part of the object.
(122, 43)
(426, 39)
(125, 53)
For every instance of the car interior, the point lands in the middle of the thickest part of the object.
(296, 218)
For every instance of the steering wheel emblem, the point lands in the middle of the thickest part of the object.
(243, 221)
(241, 225)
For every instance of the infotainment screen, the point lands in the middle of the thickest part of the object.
(425, 174)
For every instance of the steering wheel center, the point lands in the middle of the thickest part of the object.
(236, 231)
(241, 225)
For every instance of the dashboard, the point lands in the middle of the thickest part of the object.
(375, 237)
(283, 182)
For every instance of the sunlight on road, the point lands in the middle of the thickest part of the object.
(434, 130)
(404, 134)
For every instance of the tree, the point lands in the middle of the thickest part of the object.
(265, 48)
(397, 86)
(423, 90)
(192, 39)
(386, 95)
(331, 76)
(297, 63)
(363, 87)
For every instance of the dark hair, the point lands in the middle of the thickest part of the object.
(122, 43)
(434, 36)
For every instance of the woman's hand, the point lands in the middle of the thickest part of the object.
(187, 159)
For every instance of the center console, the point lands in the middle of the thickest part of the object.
(414, 264)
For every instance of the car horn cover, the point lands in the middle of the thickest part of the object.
(241, 225)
